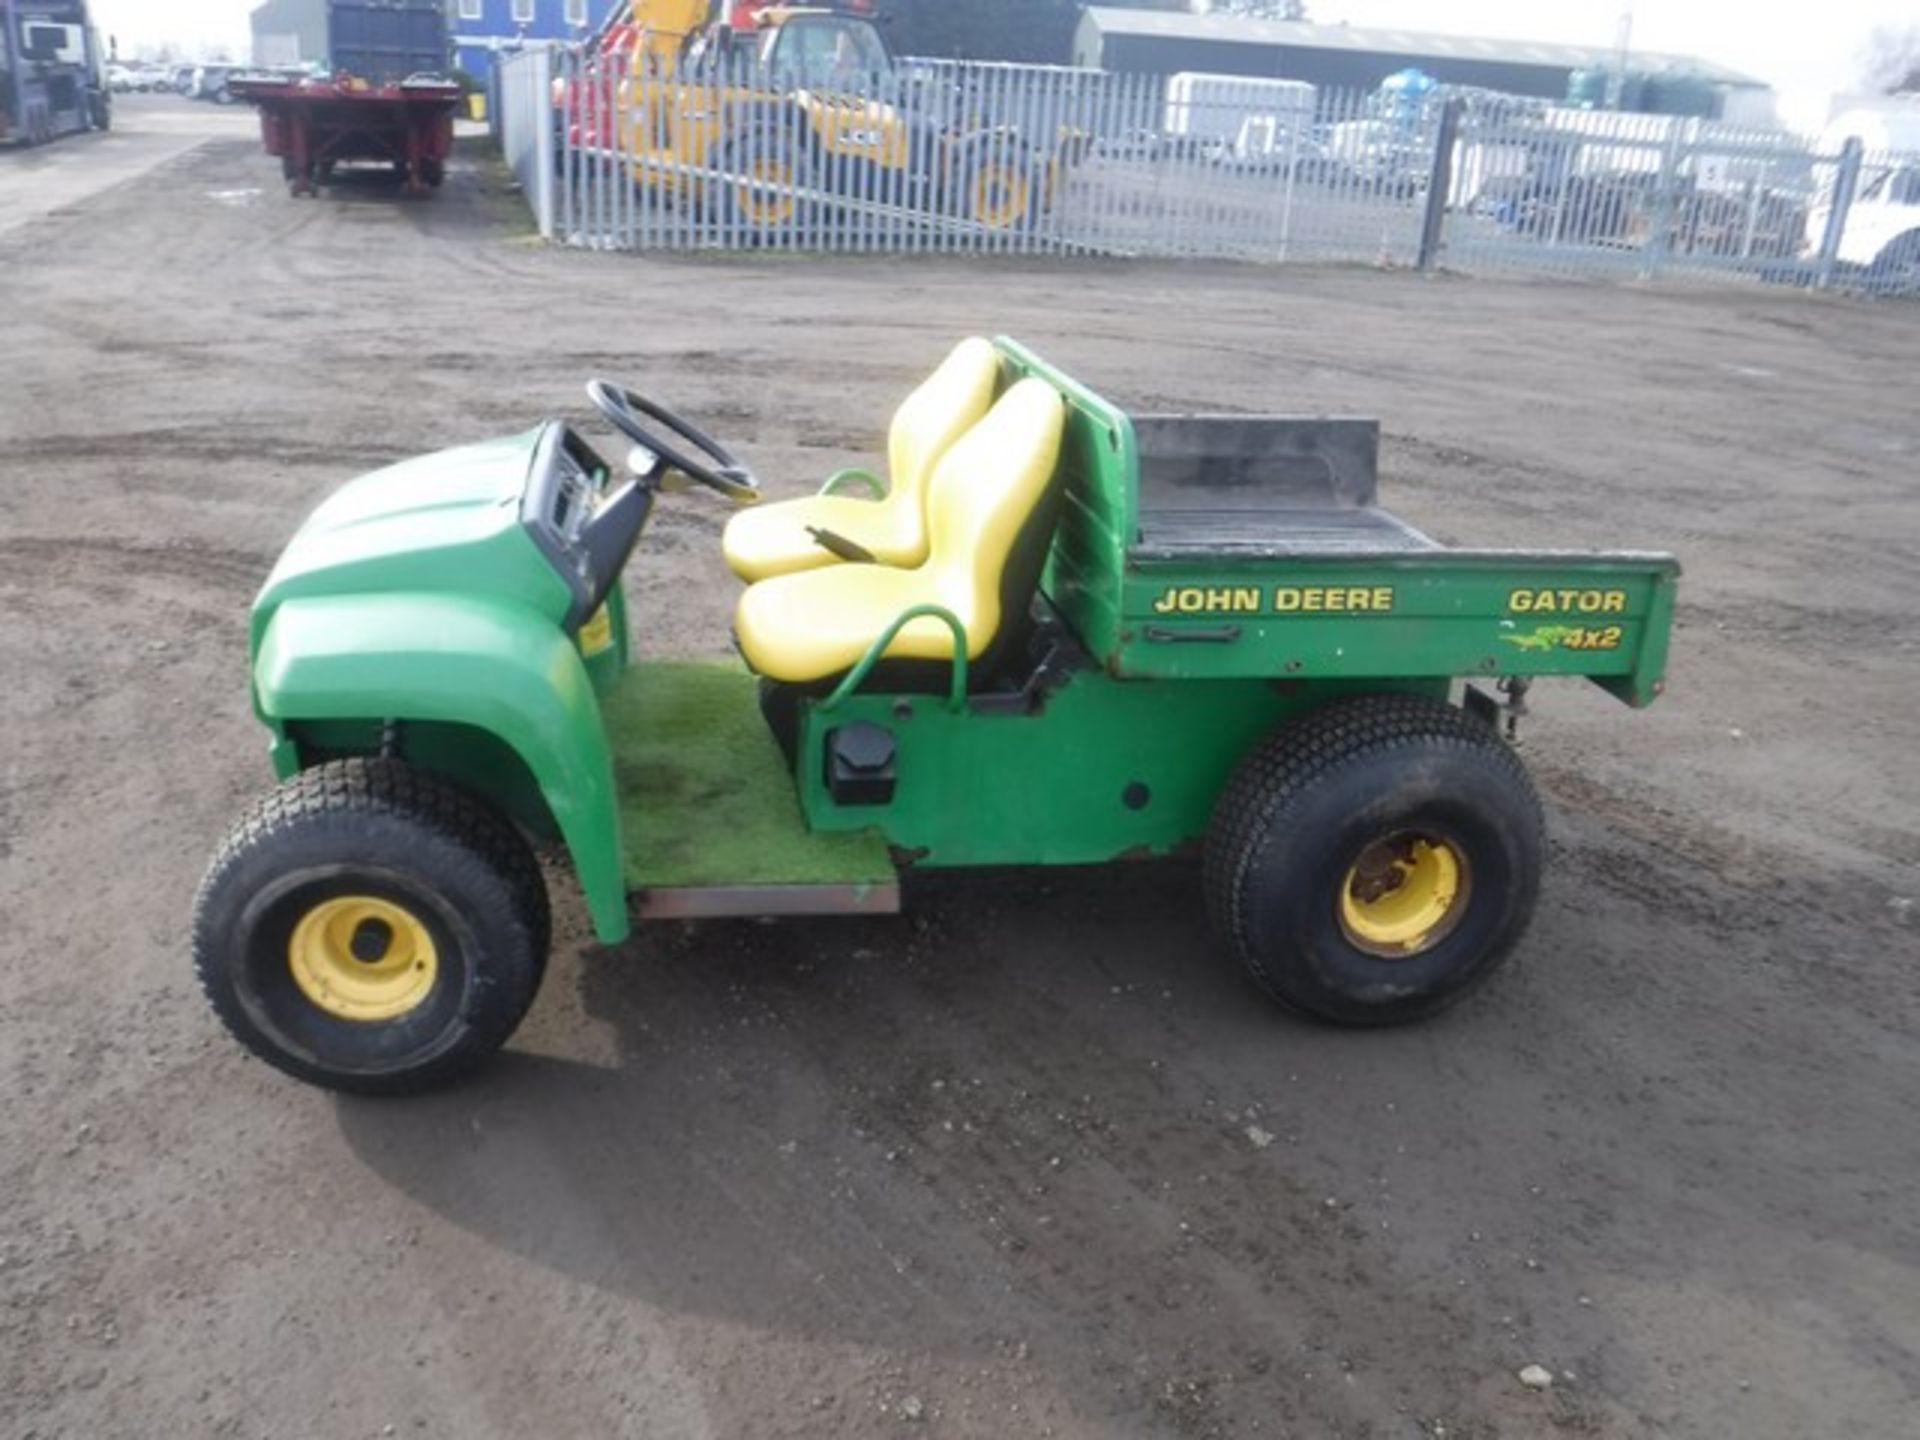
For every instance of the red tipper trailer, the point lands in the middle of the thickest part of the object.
(313, 125)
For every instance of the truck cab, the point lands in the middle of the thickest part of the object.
(793, 48)
(821, 49)
(1881, 240)
(52, 72)
(1883, 226)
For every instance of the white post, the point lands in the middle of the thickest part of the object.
(545, 132)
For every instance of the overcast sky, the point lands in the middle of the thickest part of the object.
(1805, 51)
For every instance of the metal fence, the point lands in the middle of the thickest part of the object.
(962, 157)
(522, 114)
(1551, 188)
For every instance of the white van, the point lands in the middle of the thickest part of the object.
(1239, 117)
(1882, 234)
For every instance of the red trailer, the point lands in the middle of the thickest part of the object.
(314, 125)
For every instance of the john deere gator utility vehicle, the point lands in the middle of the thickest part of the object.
(765, 128)
(1051, 634)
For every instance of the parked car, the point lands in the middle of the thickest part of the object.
(210, 83)
(132, 77)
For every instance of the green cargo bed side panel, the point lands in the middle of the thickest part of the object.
(1432, 612)
(467, 660)
(705, 795)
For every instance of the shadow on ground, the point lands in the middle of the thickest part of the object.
(971, 1127)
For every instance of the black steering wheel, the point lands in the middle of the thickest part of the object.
(623, 409)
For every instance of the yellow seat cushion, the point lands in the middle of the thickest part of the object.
(772, 539)
(817, 623)
(767, 540)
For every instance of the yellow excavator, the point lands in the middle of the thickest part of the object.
(757, 115)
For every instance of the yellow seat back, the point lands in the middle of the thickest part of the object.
(983, 494)
(767, 540)
(942, 409)
(989, 521)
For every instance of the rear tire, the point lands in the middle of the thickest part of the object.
(999, 191)
(1896, 269)
(368, 927)
(1375, 860)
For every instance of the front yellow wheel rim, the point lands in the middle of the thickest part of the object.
(758, 205)
(999, 195)
(359, 957)
(1403, 895)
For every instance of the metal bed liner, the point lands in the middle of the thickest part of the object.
(1261, 486)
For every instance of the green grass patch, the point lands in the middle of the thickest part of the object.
(705, 795)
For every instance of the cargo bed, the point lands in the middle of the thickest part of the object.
(1220, 546)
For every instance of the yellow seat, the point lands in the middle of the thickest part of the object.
(775, 539)
(818, 623)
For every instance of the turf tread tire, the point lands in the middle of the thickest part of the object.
(485, 844)
(1299, 757)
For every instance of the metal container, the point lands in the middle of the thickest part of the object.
(386, 41)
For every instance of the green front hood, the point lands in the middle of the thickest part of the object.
(445, 523)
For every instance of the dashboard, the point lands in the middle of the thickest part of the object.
(581, 521)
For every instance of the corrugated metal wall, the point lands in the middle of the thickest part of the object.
(289, 32)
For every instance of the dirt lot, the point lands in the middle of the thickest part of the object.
(990, 1168)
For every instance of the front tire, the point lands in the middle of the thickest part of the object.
(1376, 859)
(758, 200)
(368, 927)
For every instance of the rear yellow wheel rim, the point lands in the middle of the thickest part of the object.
(760, 207)
(999, 195)
(359, 957)
(1403, 895)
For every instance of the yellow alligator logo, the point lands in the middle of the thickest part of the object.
(1544, 637)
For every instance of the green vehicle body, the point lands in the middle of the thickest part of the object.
(416, 599)
(415, 593)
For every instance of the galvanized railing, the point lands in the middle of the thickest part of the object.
(521, 111)
(1558, 189)
(952, 157)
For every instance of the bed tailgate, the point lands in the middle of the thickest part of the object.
(1401, 614)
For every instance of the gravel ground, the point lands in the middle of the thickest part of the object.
(1030, 1159)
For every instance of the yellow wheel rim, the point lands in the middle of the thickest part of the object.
(759, 207)
(999, 195)
(362, 958)
(1404, 895)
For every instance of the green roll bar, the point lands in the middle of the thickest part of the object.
(957, 691)
(855, 475)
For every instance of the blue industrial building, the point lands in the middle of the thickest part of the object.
(484, 28)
